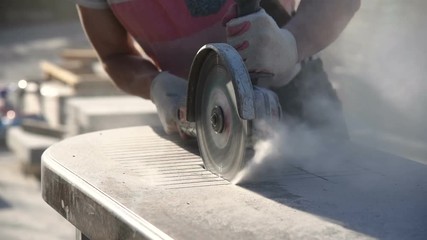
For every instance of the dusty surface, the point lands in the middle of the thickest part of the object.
(343, 192)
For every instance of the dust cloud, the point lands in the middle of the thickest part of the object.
(377, 68)
(285, 142)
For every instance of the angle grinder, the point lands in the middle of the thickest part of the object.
(225, 108)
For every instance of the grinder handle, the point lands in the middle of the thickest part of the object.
(246, 7)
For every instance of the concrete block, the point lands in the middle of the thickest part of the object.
(54, 95)
(100, 113)
(28, 147)
(42, 128)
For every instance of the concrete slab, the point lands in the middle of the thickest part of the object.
(137, 182)
(28, 147)
(55, 95)
(100, 113)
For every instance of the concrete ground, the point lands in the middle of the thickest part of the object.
(23, 213)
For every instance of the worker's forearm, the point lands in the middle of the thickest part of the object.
(128, 69)
(318, 23)
(133, 74)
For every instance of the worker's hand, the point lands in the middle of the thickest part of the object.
(168, 92)
(264, 47)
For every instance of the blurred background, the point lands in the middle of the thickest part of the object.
(30, 31)
(52, 88)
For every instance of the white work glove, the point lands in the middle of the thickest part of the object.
(265, 48)
(168, 92)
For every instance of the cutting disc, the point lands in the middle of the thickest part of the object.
(223, 137)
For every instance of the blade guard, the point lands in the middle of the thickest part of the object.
(239, 77)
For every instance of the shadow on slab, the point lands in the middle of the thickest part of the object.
(370, 192)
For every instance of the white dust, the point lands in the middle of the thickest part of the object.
(283, 142)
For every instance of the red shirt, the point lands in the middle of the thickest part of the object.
(171, 32)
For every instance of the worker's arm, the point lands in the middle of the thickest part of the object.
(123, 63)
(129, 70)
(318, 23)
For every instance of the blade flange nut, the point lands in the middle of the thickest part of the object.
(217, 119)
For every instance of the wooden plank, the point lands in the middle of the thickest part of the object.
(52, 70)
(79, 54)
(77, 67)
(70, 76)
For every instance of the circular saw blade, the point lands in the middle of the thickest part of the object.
(222, 135)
